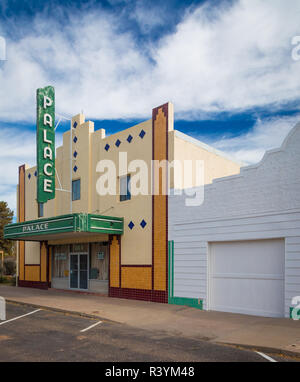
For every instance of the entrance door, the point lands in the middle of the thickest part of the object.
(79, 271)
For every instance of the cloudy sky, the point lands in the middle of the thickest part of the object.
(229, 67)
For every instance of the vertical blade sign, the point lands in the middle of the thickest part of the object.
(45, 144)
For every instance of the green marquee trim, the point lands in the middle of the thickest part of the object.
(65, 223)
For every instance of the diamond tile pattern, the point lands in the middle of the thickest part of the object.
(129, 138)
(75, 168)
(142, 134)
(107, 147)
(75, 139)
(118, 142)
(143, 224)
(131, 225)
(75, 125)
(75, 154)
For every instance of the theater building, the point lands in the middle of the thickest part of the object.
(110, 244)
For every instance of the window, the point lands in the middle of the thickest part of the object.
(99, 261)
(60, 261)
(40, 210)
(76, 189)
(125, 188)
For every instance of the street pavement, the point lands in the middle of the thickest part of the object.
(42, 335)
(272, 335)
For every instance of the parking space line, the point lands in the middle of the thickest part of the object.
(16, 318)
(90, 327)
(266, 356)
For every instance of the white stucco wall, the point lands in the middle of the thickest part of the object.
(262, 202)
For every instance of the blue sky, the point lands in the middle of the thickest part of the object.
(226, 65)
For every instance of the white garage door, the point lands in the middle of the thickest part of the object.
(247, 277)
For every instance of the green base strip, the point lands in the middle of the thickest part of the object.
(192, 302)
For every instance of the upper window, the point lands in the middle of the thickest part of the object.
(40, 210)
(125, 188)
(76, 189)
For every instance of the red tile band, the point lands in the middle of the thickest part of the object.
(139, 294)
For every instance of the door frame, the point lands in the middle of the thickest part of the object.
(88, 268)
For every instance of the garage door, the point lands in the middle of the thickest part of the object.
(247, 277)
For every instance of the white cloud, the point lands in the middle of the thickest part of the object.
(265, 135)
(17, 147)
(148, 17)
(232, 58)
(229, 57)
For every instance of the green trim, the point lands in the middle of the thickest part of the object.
(65, 223)
(171, 267)
(105, 224)
(192, 302)
(291, 310)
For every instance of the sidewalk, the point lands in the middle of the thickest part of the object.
(273, 334)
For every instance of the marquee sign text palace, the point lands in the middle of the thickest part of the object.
(45, 144)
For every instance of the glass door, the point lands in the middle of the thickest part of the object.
(78, 271)
(74, 271)
(83, 273)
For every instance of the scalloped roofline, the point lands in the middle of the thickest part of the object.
(282, 148)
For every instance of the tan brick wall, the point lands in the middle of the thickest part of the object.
(160, 152)
(32, 272)
(114, 250)
(137, 277)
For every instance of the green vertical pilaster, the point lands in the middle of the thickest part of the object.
(171, 268)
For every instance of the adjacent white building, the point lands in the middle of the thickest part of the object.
(240, 250)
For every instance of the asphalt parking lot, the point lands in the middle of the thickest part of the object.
(33, 335)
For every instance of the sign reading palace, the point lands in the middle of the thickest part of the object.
(45, 144)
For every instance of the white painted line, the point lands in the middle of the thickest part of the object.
(90, 327)
(16, 318)
(266, 356)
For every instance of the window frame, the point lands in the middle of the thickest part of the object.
(73, 191)
(127, 196)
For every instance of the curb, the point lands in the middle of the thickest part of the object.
(70, 312)
(263, 349)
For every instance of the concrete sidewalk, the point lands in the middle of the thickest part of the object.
(277, 335)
